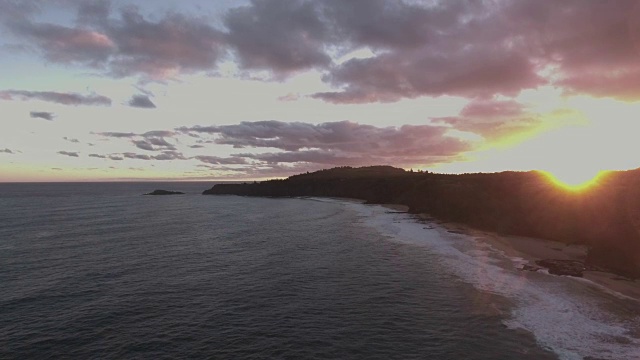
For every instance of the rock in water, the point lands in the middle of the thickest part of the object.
(563, 267)
(165, 192)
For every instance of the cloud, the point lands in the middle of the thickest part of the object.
(165, 155)
(342, 135)
(67, 45)
(474, 49)
(93, 12)
(149, 141)
(476, 70)
(7, 151)
(493, 119)
(216, 160)
(143, 144)
(278, 35)
(153, 144)
(336, 143)
(124, 45)
(141, 101)
(492, 108)
(117, 134)
(42, 115)
(464, 48)
(69, 153)
(136, 156)
(312, 156)
(593, 46)
(158, 133)
(56, 97)
(174, 44)
(169, 155)
(71, 140)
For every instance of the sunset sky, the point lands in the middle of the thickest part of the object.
(229, 90)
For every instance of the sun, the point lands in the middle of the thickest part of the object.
(573, 179)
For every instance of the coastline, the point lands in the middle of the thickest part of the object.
(532, 249)
(596, 316)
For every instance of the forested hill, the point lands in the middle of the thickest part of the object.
(605, 216)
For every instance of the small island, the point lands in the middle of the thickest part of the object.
(164, 192)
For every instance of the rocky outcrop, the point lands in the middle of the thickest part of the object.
(563, 267)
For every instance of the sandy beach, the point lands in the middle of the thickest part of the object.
(532, 249)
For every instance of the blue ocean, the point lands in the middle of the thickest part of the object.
(98, 271)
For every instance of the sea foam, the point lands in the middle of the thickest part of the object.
(562, 316)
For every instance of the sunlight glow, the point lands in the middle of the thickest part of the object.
(573, 179)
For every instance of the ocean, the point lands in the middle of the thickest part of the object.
(98, 271)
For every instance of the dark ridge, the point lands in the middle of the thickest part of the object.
(164, 192)
(606, 217)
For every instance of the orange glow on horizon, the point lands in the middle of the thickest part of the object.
(573, 180)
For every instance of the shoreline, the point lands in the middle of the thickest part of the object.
(532, 249)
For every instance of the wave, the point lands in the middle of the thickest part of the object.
(563, 315)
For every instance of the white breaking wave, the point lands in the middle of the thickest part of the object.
(556, 310)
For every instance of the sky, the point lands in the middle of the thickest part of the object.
(231, 90)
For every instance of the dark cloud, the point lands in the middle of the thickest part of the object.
(93, 12)
(278, 35)
(389, 25)
(7, 151)
(56, 97)
(115, 157)
(174, 44)
(165, 155)
(477, 70)
(594, 45)
(69, 153)
(344, 136)
(169, 155)
(117, 134)
(311, 156)
(216, 160)
(71, 139)
(129, 155)
(197, 146)
(335, 143)
(474, 49)
(153, 144)
(42, 115)
(141, 101)
(143, 144)
(98, 156)
(67, 45)
(128, 44)
(149, 141)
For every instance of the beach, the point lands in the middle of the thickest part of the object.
(532, 249)
(595, 316)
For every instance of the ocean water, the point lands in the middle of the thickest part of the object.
(99, 271)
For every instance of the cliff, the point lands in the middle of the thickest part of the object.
(606, 216)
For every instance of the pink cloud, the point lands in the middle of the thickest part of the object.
(336, 143)
(491, 108)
